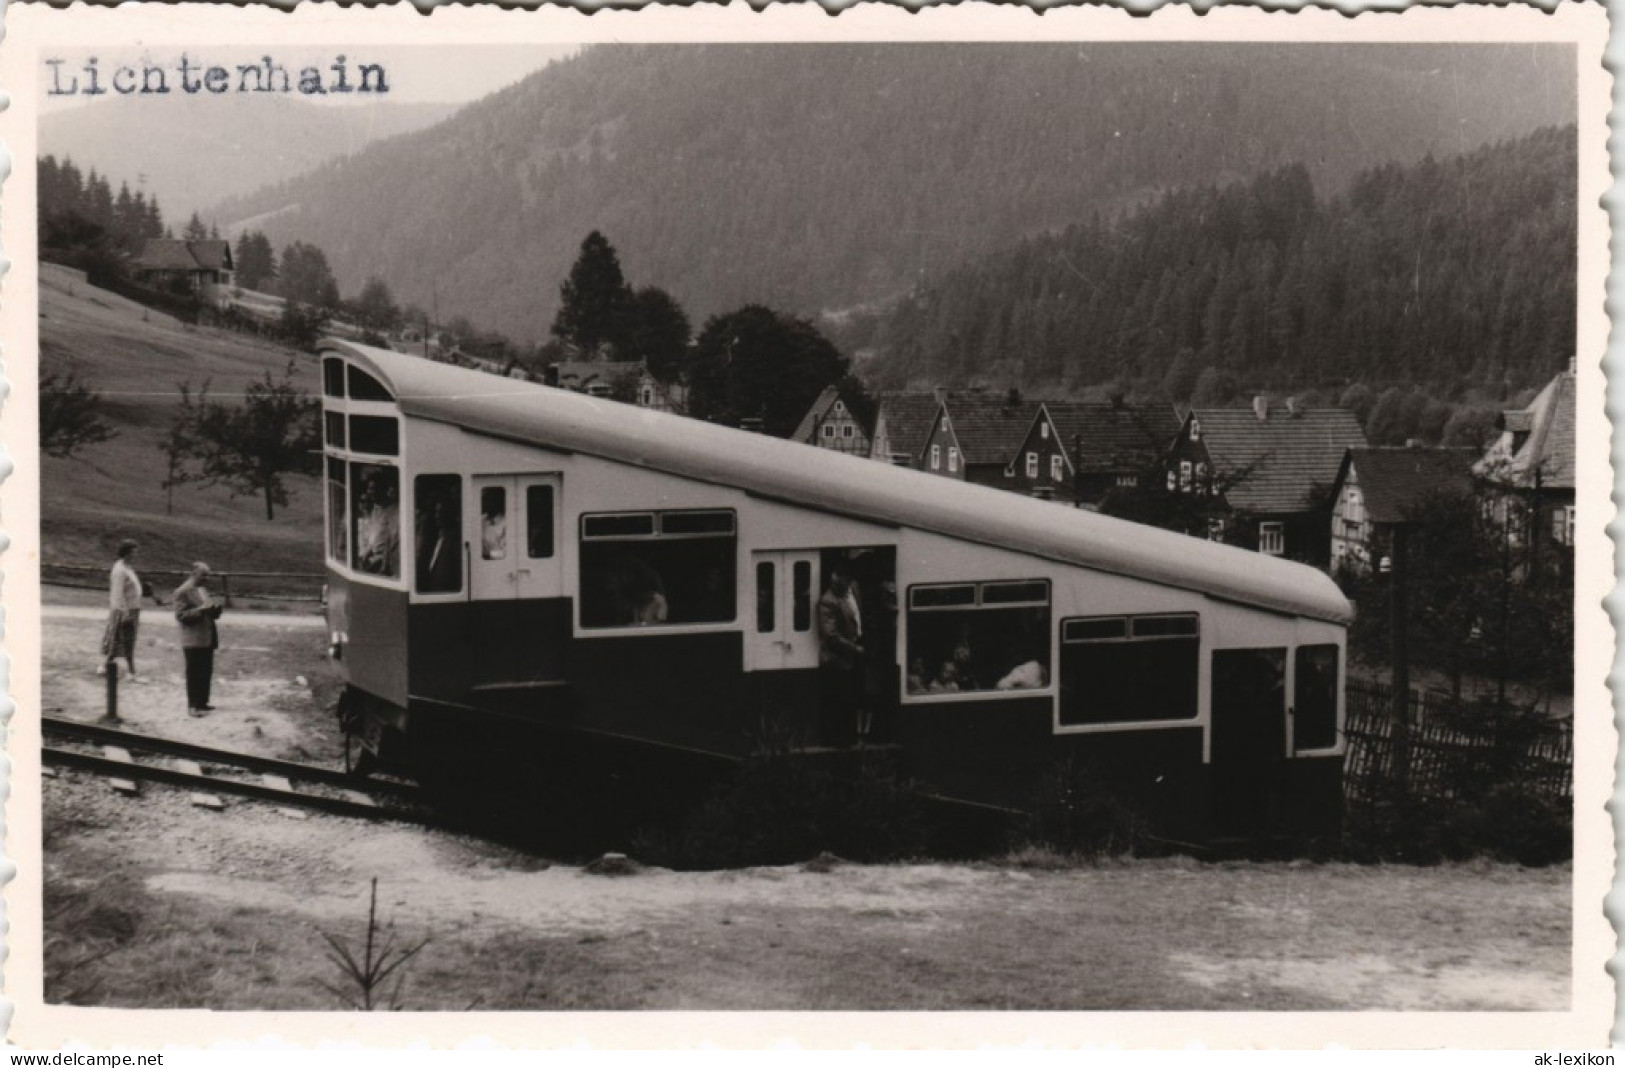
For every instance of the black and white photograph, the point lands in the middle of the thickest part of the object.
(782, 520)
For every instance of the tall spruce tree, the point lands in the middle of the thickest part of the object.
(594, 302)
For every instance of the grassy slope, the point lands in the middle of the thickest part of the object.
(136, 359)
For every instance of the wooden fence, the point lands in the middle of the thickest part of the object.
(294, 587)
(1457, 750)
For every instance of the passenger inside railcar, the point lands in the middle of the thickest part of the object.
(975, 637)
(438, 526)
(377, 519)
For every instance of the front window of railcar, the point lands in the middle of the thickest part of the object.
(375, 496)
(361, 432)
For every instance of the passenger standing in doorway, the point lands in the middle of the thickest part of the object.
(196, 610)
(124, 612)
(840, 661)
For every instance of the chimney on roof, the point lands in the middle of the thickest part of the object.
(1292, 406)
(1261, 407)
(1013, 398)
(752, 424)
(940, 393)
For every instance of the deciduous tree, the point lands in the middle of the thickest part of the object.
(757, 364)
(252, 448)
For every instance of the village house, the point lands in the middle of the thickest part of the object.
(832, 424)
(1264, 474)
(974, 436)
(1532, 463)
(172, 264)
(903, 420)
(1077, 452)
(1379, 489)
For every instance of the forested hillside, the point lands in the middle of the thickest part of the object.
(1447, 273)
(830, 176)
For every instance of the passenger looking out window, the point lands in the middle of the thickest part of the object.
(375, 491)
(493, 523)
(988, 636)
(439, 525)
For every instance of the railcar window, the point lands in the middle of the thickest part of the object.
(375, 512)
(673, 524)
(338, 524)
(538, 522)
(333, 377)
(365, 387)
(1314, 714)
(334, 422)
(439, 530)
(766, 597)
(1129, 669)
(493, 523)
(970, 637)
(629, 525)
(377, 434)
(801, 610)
(633, 576)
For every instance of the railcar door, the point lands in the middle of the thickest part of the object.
(781, 640)
(516, 579)
(1248, 739)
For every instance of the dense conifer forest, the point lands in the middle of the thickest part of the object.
(1454, 274)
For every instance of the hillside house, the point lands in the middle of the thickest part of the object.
(1379, 489)
(831, 424)
(974, 436)
(626, 380)
(1264, 474)
(1077, 452)
(170, 263)
(1533, 464)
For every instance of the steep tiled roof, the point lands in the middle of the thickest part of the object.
(1548, 451)
(171, 254)
(820, 408)
(1104, 438)
(989, 427)
(1282, 463)
(908, 418)
(1396, 482)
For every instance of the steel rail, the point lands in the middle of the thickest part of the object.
(110, 768)
(94, 732)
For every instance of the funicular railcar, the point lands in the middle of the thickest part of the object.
(503, 553)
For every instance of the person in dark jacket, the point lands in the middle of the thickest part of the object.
(196, 610)
(840, 661)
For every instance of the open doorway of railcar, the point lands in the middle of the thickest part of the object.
(822, 646)
(857, 605)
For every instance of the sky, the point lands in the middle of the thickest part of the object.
(421, 74)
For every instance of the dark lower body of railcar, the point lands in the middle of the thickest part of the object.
(507, 715)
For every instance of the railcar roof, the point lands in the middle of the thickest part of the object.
(820, 478)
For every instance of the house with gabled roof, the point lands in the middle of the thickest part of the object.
(831, 423)
(167, 263)
(1533, 463)
(630, 379)
(1078, 451)
(975, 434)
(903, 420)
(1264, 474)
(1380, 489)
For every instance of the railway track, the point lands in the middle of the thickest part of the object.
(131, 757)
